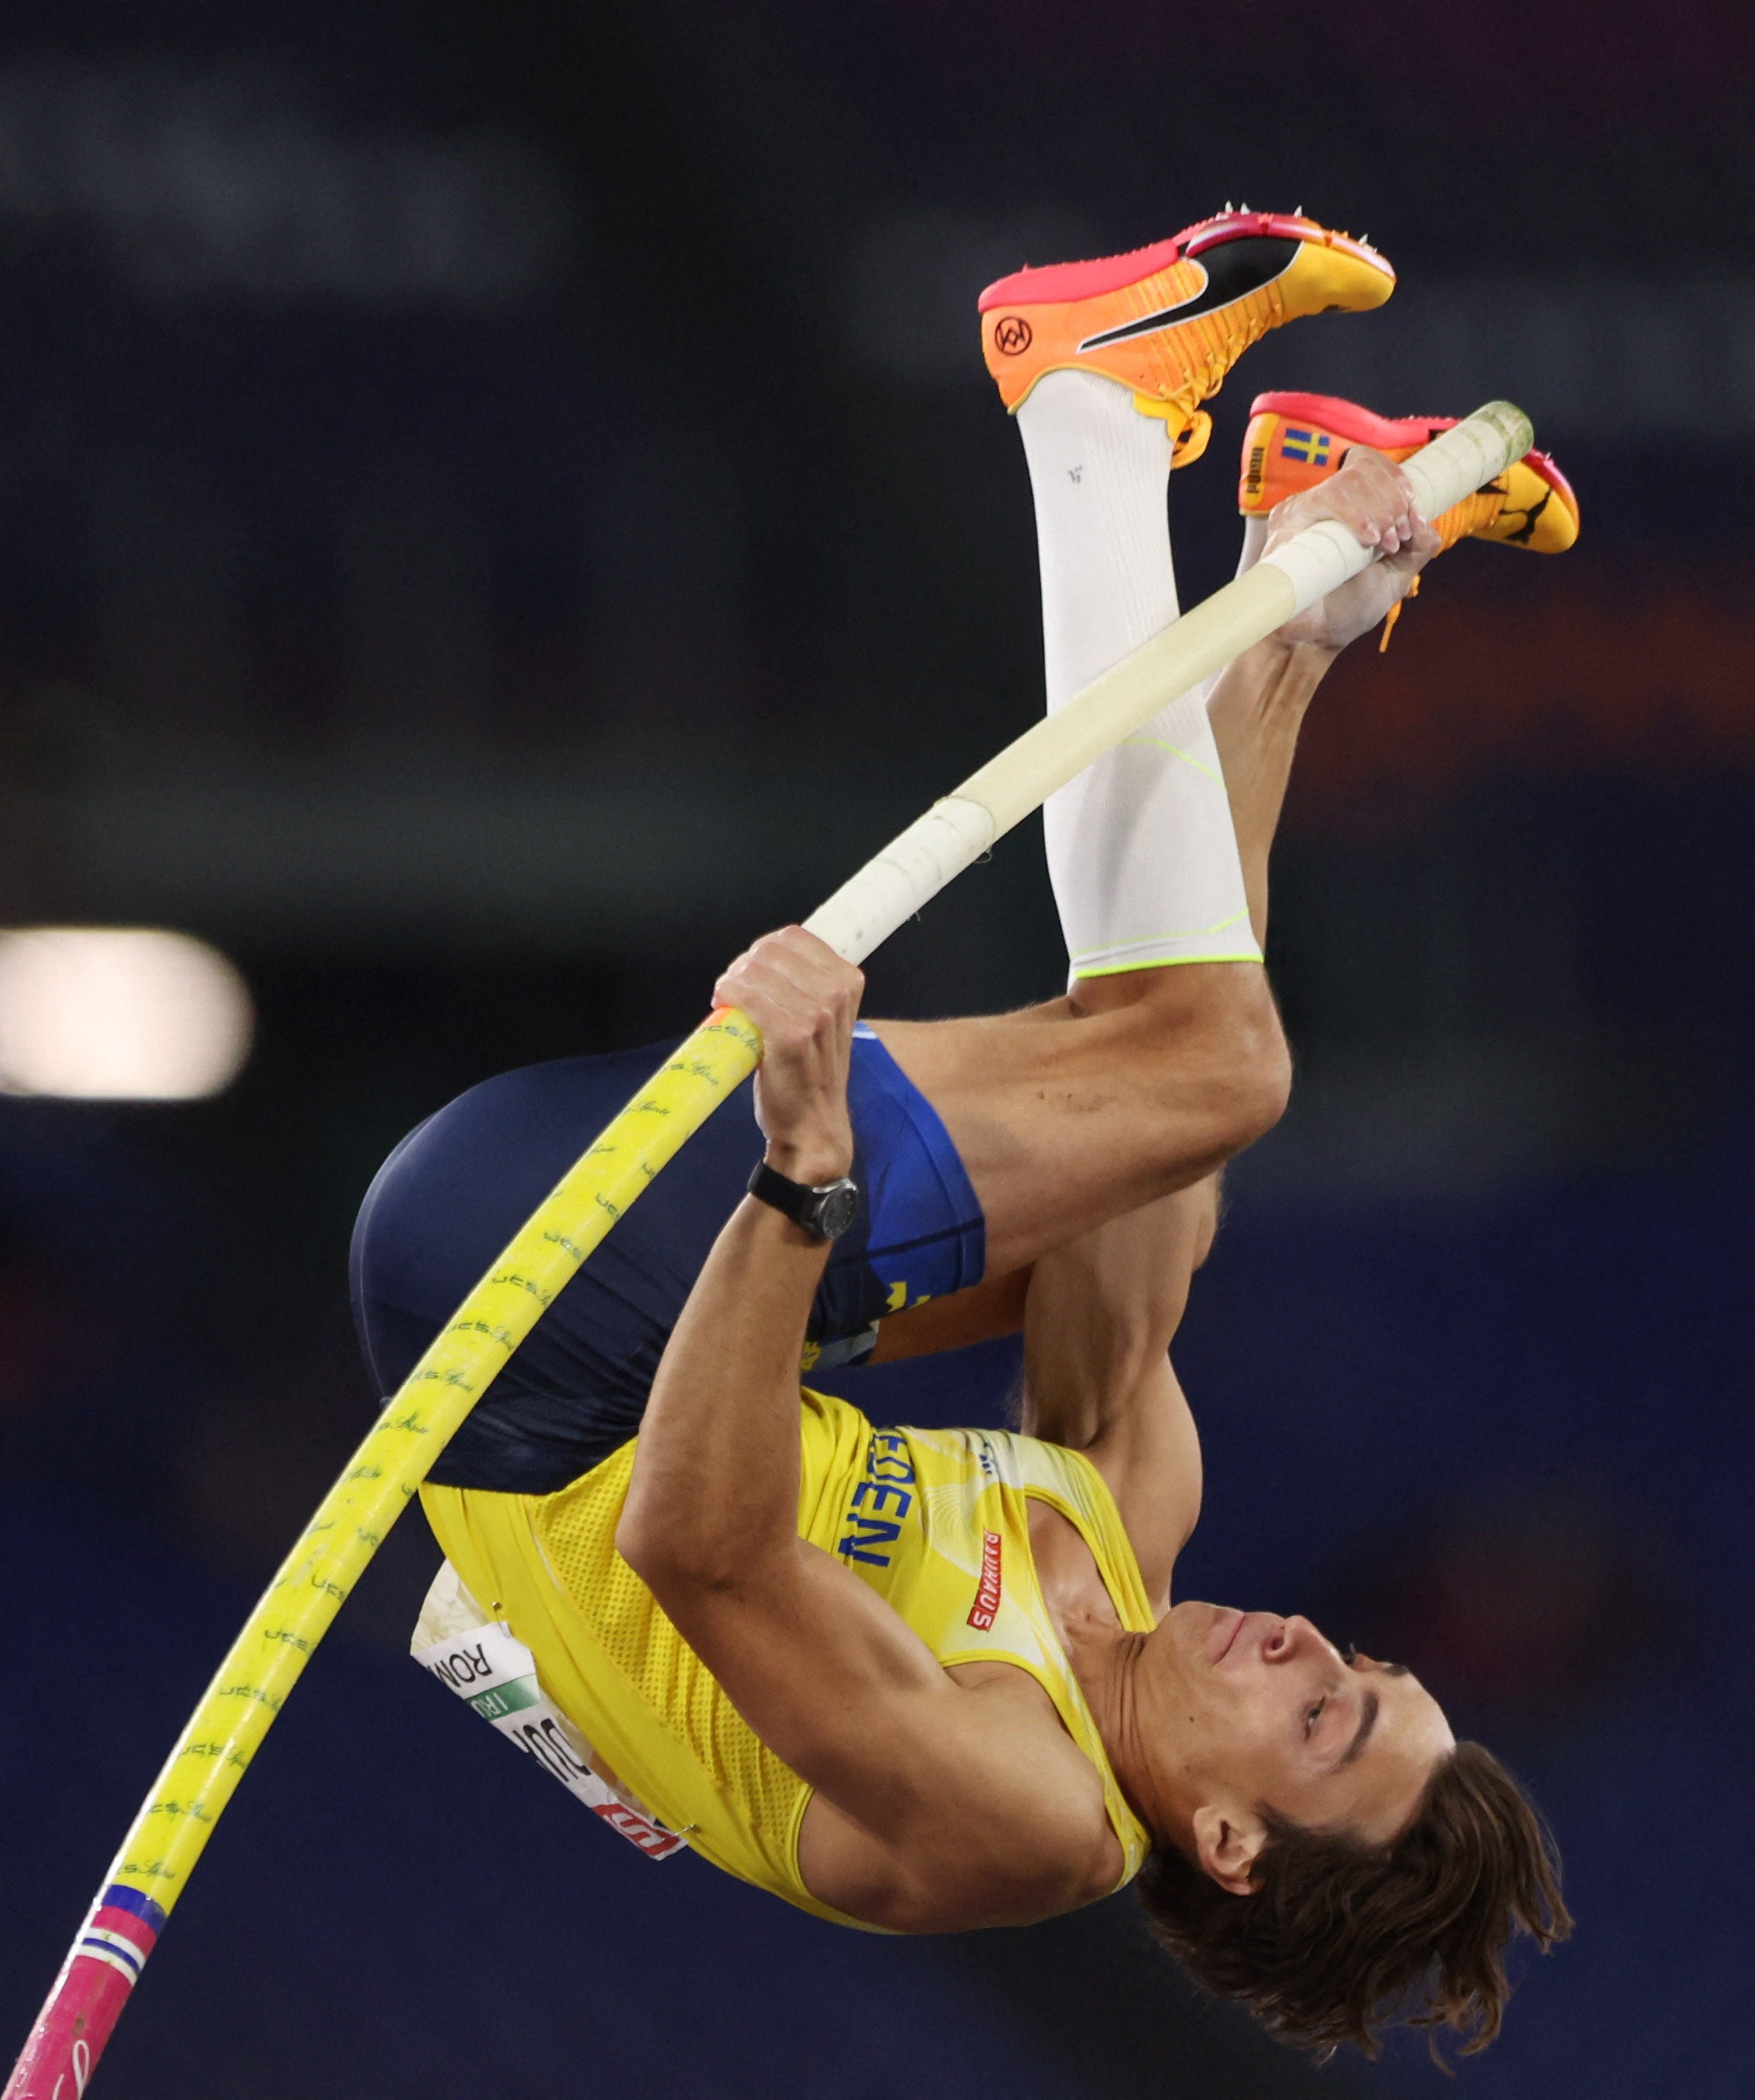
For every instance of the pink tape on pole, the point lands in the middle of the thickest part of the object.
(87, 1997)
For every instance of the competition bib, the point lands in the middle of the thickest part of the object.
(490, 1668)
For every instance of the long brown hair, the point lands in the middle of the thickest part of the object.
(1335, 1938)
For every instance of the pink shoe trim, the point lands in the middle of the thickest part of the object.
(1061, 283)
(1542, 464)
(1347, 419)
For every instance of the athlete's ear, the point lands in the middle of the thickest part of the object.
(1228, 1846)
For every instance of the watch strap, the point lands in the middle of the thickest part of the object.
(799, 1200)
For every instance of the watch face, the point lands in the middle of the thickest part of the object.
(837, 1209)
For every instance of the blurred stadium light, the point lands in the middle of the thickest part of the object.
(119, 1013)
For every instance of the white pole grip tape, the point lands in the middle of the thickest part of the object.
(936, 848)
(891, 887)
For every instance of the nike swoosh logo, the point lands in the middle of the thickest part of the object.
(1232, 271)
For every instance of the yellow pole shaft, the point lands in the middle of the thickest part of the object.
(160, 1852)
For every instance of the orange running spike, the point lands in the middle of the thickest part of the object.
(1169, 321)
(1296, 441)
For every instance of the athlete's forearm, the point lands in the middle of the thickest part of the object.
(715, 1483)
(715, 1475)
(1257, 708)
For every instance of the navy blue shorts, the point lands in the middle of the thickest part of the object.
(455, 1191)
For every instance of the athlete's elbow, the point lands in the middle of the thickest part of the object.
(668, 1556)
(652, 1539)
(679, 1556)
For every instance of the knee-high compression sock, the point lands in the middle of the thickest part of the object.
(1141, 851)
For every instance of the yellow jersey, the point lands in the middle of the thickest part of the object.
(936, 1520)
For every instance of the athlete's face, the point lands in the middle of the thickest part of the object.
(1263, 1712)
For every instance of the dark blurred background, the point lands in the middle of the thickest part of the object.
(498, 504)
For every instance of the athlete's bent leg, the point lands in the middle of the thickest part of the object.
(1167, 1074)
(456, 1190)
(1178, 1061)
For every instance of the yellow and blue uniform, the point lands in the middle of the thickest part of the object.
(936, 1521)
(455, 1191)
(525, 1498)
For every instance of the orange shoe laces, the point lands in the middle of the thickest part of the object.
(1474, 514)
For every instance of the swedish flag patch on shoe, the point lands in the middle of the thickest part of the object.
(1308, 448)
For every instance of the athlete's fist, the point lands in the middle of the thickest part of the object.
(1372, 497)
(804, 999)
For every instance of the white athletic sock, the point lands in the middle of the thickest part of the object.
(1141, 851)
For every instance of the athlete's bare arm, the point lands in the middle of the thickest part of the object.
(939, 1806)
(1257, 704)
(1099, 1321)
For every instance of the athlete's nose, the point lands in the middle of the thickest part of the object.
(1289, 1638)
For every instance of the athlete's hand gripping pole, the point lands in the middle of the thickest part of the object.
(160, 1852)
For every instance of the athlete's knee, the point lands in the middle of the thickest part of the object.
(1238, 1063)
(1262, 1073)
(1209, 1070)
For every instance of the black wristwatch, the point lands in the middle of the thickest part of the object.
(825, 1213)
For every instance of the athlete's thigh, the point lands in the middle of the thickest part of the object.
(1065, 1117)
(450, 1197)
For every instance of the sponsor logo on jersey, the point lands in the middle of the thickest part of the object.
(652, 1838)
(880, 1502)
(986, 1608)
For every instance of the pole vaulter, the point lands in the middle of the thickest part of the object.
(152, 1869)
